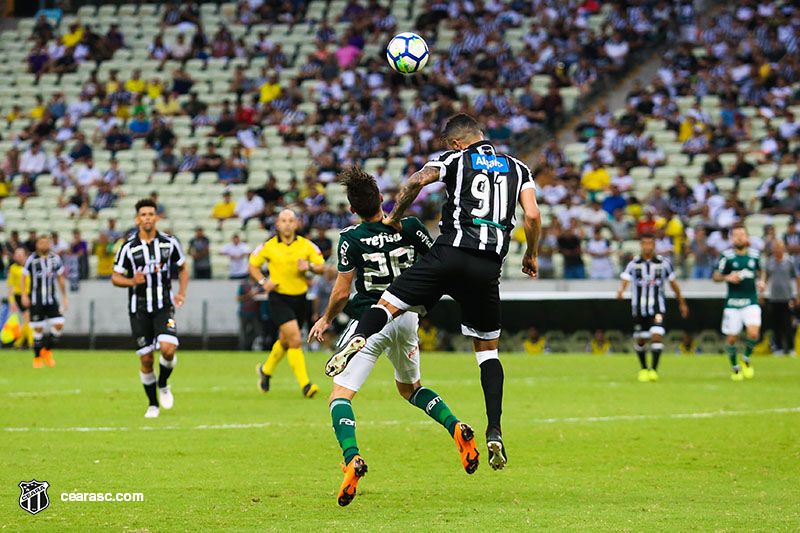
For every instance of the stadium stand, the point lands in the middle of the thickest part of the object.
(711, 140)
(113, 102)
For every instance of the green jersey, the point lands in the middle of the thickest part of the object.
(379, 253)
(747, 265)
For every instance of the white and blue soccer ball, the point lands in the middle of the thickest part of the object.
(407, 53)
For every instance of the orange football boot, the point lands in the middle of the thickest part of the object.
(47, 355)
(38, 362)
(352, 473)
(465, 440)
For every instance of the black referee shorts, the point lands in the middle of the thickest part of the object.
(18, 299)
(149, 328)
(284, 308)
(470, 277)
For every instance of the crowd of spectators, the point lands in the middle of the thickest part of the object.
(736, 159)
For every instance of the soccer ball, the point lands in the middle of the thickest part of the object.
(407, 53)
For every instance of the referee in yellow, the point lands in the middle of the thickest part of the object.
(15, 297)
(288, 257)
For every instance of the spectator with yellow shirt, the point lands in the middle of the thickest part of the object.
(535, 344)
(225, 209)
(103, 249)
(74, 36)
(135, 85)
(596, 179)
(428, 335)
(599, 345)
(270, 90)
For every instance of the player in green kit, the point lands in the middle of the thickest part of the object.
(739, 267)
(374, 254)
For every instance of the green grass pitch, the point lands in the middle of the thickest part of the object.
(589, 447)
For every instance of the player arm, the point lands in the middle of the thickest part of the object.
(409, 192)
(531, 220)
(62, 286)
(340, 294)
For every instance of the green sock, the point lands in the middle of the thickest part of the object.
(731, 349)
(749, 344)
(434, 407)
(344, 426)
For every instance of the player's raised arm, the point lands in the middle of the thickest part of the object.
(409, 192)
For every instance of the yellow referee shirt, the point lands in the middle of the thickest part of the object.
(282, 258)
(14, 277)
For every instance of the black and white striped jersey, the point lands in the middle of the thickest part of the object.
(154, 260)
(43, 271)
(483, 189)
(647, 279)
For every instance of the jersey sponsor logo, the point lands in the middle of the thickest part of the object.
(381, 239)
(739, 302)
(426, 240)
(171, 323)
(490, 163)
(746, 273)
(151, 268)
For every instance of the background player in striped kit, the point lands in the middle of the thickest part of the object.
(143, 264)
(483, 189)
(647, 274)
(47, 319)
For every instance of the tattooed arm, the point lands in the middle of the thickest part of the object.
(409, 191)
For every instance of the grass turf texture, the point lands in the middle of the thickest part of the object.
(204, 466)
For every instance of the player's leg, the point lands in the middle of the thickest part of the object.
(656, 345)
(476, 288)
(54, 329)
(345, 386)
(418, 287)
(142, 329)
(641, 334)
(751, 316)
(38, 323)
(279, 313)
(38, 342)
(166, 333)
(731, 327)
(291, 332)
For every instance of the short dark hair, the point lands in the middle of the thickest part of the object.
(460, 126)
(646, 236)
(145, 202)
(362, 191)
(739, 225)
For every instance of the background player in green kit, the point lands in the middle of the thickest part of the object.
(739, 267)
(374, 254)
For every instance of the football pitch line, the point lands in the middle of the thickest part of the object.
(578, 419)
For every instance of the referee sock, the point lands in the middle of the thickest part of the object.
(149, 382)
(492, 383)
(749, 344)
(655, 349)
(165, 369)
(344, 426)
(298, 364)
(641, 353)
(731, 349)
(434, 407)
(274, 358)
(373, 320)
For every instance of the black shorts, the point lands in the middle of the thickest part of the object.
(18, 299)
(40, 313)
(284, 308)
(644, 326)
(470, 277)
(149, 328)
